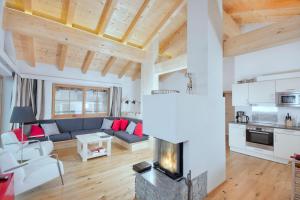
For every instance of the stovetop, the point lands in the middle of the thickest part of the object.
(272, 125)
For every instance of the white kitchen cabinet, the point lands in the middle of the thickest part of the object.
(262, 92)
(286, 143)
(240, 94)
(288, 85)
(237, 136)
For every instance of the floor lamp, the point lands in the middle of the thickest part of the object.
(21, 115)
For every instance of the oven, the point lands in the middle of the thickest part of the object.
(291, 99)
(260, 137)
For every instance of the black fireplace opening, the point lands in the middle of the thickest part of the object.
(169, 158)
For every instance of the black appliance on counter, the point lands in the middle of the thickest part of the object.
(241, 117)
(260, 137)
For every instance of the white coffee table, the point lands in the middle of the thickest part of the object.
(83, 141)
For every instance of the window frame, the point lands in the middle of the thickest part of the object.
(84, 90)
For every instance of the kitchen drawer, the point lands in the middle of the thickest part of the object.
(287, 131)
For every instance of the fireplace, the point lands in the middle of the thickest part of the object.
(169, 158)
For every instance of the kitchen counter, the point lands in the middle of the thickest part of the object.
(280, 126)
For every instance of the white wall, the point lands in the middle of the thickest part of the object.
(228, 73)
(175, 81)
(6, 103)
(74, 76)
(279, 59)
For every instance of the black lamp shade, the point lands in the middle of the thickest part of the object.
(22, 115)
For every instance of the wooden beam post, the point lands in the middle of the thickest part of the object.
(62, 55)
(137, 72)
(29, 50)
(174, 10)
(267, 37)
(134, 21)
(108, 65)
(20, 22)
(105, 16)
(27, 6)
(68, 11)
(87, 61)
(125, 69)
(230, 27)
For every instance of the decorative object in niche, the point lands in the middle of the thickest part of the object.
(164, 91)
(189, 86)
(247, 81)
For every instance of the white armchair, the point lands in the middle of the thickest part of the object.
(31, 149)
(32, 173)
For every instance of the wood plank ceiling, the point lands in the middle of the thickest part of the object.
(126, 26)
(109, 36)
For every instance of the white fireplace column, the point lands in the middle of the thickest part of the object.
(205, 151)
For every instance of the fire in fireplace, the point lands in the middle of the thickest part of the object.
(169, 158)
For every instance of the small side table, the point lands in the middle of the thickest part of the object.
(7, 188)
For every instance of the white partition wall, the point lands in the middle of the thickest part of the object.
(197, 119)
(205, 62)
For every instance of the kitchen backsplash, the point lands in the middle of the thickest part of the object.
(270, 114)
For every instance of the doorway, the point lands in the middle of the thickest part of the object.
(229, 110)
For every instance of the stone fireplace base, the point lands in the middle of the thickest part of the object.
(154, 185)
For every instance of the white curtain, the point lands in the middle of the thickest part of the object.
(29, 92)
(116, 101)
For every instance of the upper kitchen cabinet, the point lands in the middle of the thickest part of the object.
(240, 94)
(262, 92)
(288, 85)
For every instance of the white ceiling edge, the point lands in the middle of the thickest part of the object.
(50, 72)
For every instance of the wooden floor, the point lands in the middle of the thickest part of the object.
(111, 178)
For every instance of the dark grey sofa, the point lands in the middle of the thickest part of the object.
(69, 128)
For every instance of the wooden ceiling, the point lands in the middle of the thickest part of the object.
(109, 36)
(68, 32)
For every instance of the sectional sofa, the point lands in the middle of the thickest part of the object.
(69, 128)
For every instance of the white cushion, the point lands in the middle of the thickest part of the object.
(39, 172)
(50, 129)
(131, 127)
(106, 124)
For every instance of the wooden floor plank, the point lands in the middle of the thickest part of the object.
(109, 178)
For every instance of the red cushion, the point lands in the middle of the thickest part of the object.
(138, 131)
(116, 125)
(37, 131)
(124, 124)
(18, 133)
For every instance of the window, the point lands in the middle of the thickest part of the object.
(76, 101)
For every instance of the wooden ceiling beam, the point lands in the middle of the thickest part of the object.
(87, 61)
(105, 16)
(62, 56)
(137, 72)
(230, 27)
(236, 6)
(27, 6)
(266, 15)
(108, 65)
(20, 22)
(68, 11)
(267, 37)
(134, 21)
(174, 10)
(173, 38)
(29, 50)
(125, 69)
